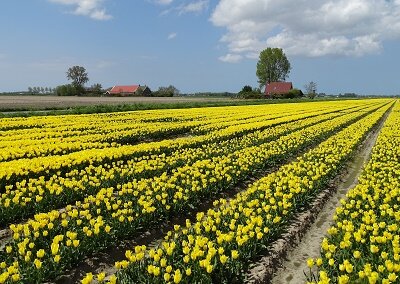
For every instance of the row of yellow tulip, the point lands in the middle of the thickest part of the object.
(86, 121)
(97, 126)
(78, 125)
(23, 199)
(56, 127)
(73, 121)
(51, 241)
(117, 135)
(363, 245)
(62, 140)
(16, 170)
(218, 245)
(77, 121)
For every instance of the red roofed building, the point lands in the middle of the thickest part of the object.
(278, 88)
(130, 90)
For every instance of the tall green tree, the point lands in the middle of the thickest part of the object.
(272, 66)
(78, 76)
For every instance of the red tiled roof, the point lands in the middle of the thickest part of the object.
(278, 88)
(124, 89)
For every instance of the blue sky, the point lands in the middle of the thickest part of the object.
(200, 45)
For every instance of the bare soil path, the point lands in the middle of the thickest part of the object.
(292, 269)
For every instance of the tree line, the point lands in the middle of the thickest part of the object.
(272, 66)
(79, 77)
(41, 90)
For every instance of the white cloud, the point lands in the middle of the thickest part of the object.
(164, 2)
(307, 27)
(231, 58)
(90, 8)
(185, 7)
(193, 7)
(172, 36)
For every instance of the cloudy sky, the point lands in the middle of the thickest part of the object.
(201, 45)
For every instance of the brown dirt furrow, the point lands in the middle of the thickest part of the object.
(56, 102)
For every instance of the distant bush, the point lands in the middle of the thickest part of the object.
(162, 94)
(95, 90)
(292, 94)
(248, 92)
(67, 90)
(251, 95)
(169, 91)
(247, 89)
(348, 95)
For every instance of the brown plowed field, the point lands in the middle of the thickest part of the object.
(49, 102)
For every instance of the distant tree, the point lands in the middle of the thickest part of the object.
(246, 89)
(169, 91)
(66, 90)
(311, 89)
(96, 89)
(46, 90)
(257, 90)
(272, 66)
(248, 92)
(42, 90)
(294, 93)
(30, 90)
(78, 76)
(348, 95)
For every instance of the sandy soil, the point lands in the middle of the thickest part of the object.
(46, 102)
(292, 270)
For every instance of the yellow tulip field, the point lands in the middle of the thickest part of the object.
(363, 245)
(76, 185)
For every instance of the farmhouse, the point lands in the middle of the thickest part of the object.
(278, 88)
(129, 90)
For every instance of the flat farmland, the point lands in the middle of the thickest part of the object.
(200, 195)
(57, 102)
